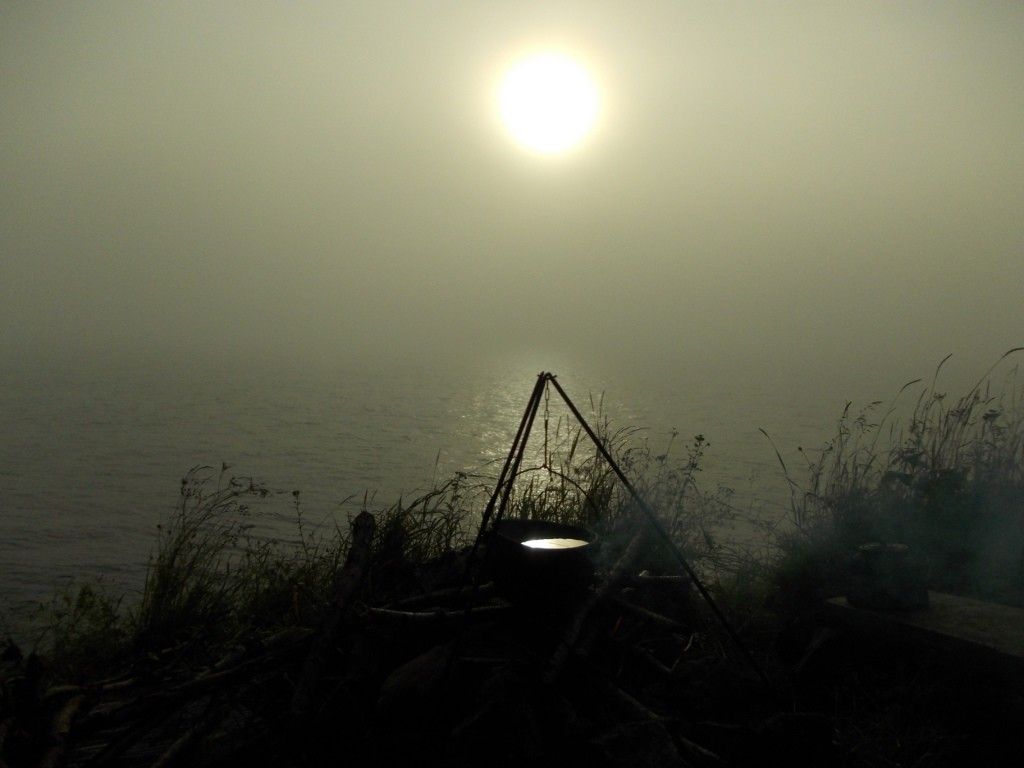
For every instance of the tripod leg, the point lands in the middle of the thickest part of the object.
(514, 457)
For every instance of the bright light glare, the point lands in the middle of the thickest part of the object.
(554, 543)
(548, 102)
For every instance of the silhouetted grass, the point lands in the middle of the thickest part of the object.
(566, 480)
(87, 631)
(211, 576)
(212, 580)
(946, 479)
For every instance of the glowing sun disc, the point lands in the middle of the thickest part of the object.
(548, 102)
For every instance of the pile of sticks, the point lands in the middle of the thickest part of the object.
(625, 676)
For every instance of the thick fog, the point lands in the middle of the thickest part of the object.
(783, 183)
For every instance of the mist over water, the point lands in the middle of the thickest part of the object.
(809, 186)
(92, 459)
(296, 240)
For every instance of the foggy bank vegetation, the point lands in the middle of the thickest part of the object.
(226, 616)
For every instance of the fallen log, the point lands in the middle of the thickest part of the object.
(348, 582)
(438, 615)
(110, 752)
(180, 747)
(59, 730)
(441, 596)
(650, 660)
(265, 645)
(646, 578)
(162, 701)
(646, 614)
(629, 705)
(635, 708)
(58, 691)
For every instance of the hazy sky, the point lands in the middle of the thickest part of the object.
(802, 182)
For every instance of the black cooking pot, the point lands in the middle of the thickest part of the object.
(540, 563)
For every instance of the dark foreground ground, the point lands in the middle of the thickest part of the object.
(634, 671)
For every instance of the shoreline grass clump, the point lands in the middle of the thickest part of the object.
(220, 572)
(213, 576)
(947, 480)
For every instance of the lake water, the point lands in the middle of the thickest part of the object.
(91, 459)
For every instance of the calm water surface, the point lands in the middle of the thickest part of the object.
(91, 461)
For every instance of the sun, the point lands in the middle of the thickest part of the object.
(548, 102)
